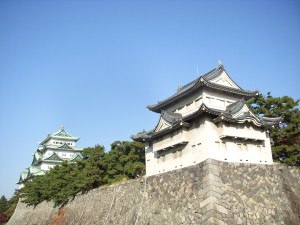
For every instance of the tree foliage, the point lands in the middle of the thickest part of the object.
(284, 136)
(7, 207)
(125, 160)
(12, 204)
(3, 207)
(3, 203)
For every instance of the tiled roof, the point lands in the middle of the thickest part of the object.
(76, 157)
(270, 121)
(204, 80)
(23, 176)
(60, 134)
(171, 117)
(37, 156)
(53, 157)
(228, 115)
(203, 109)
(61, 147)
(142, 136)
(249, 116)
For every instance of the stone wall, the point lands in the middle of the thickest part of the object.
(211, 192)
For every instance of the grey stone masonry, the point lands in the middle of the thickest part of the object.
(211, 192)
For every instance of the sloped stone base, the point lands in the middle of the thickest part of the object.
(211, 192)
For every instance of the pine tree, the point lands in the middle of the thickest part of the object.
(125, 160)
(284, 136)
(12, 204)
(91, 167)
(3, 204)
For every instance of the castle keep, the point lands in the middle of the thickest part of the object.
(52, 151)
(207, 118)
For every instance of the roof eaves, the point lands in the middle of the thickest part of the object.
(186, 89)
(142, 137)
(269, 122)
(203, 109)
(168, 129)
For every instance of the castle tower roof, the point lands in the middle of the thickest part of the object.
(61, 134)
(216, 79)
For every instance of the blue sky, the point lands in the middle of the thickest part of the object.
(95, 65)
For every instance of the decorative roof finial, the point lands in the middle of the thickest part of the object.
(179, 87)
(62, 127)
(220, 63)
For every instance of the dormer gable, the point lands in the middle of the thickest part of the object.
(162, 124)
(54, 157)
(61, 133)
(76, 157)
(239, 112)
(167, 119)
(65, 146)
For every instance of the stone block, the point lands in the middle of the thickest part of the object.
(214, 194)
(215, 221)
(208, 200)
(221, 209)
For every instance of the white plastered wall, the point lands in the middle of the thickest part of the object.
(54, 141)
(187, 105)
(204, 142)
(47, 166)
(217, 100)
(181, 156)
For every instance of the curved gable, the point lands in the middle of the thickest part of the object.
(224, 80)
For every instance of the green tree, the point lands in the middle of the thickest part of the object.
(126, 159)
(91, 168)
(33, 192)
(3, 204)
(12, 204)
(285, 148)
(61, 183)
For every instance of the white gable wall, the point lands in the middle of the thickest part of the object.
(225, 80)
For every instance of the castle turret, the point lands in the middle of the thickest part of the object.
(207, 118)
